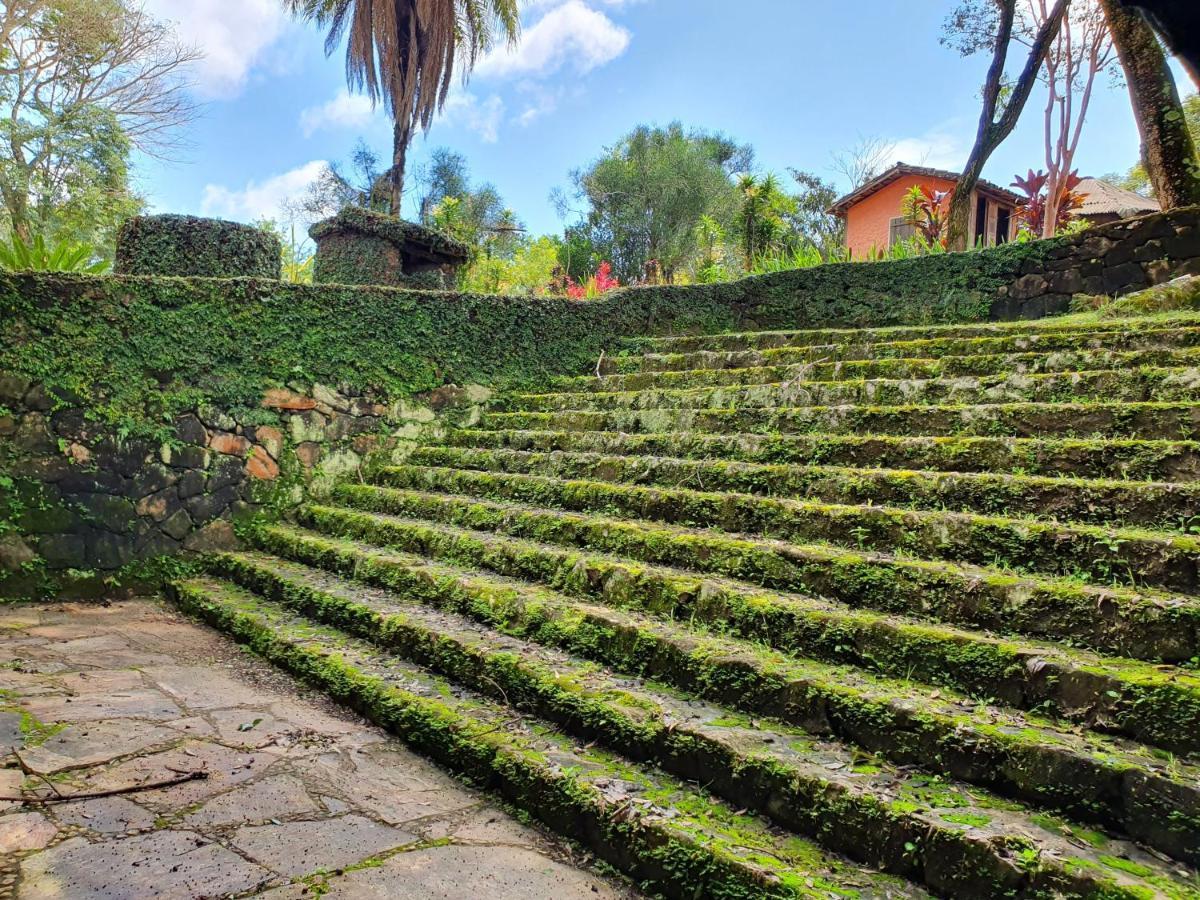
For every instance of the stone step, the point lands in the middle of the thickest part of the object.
(1136, 558)
(852, 336)
(1166, 334)
(663, 832)
(1143, 421)
(1114, 783)
(1132, 386)
(1141, 625)
(1153, 704)
(857, 369)
(1162, 505)
(825, 790)
(1170, 461)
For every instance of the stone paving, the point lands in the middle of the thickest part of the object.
(299, 799)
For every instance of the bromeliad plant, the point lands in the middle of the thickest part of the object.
(927, 211)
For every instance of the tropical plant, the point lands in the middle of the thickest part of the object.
(595, 286)
(1033, 209)
(404, 54)
(762, 217)
(18, 255)
(925, 210)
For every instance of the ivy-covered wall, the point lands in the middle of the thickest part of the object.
(115, 374)
(192, 247)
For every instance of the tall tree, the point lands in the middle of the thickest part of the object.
(647, 193)
(812, 220)
(82, 84)
(1168, 151)
(404, 53)
(1002, 104)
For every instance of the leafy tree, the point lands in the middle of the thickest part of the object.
(811, 220)
(404, 53)
(83, 84)
(645, 196)
(473, 214)
(975, 25)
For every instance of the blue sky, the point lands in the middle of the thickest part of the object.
(797, 79)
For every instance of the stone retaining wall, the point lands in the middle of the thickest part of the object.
(1109, 259)
(78, 505)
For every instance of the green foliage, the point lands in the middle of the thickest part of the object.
(529, 271)
(190, 246)
(37, 256)
(85, 84)
(647, 193)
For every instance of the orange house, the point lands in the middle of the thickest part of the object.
(874, 221)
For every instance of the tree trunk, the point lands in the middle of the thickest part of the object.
(1167, 148)
(1178, 22)
(991, 132)
(401, 136)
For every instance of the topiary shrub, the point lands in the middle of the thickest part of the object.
(195, 247)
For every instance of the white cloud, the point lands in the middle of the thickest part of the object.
(480, 116)
(346, 110)
(234, 36)
(571, 33)
(938, 149)
(258, 200)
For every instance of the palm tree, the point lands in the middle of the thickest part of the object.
(403, 53)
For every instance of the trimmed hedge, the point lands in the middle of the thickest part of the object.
(193, 247)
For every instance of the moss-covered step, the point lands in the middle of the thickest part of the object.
(744, 340)
(1145, 421)
(1154, 704)
(854, 369)
(1139, 625)
(1104, 780)
(1134, 386)
(672, 837)
(1133, 557)
(1126, 339)
(859, 806)
(1160, 505)
(1170, 461)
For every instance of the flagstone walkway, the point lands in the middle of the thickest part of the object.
(278, 793)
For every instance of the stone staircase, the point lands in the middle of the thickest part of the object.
(878, 613)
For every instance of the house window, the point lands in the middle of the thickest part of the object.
(900, 231)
